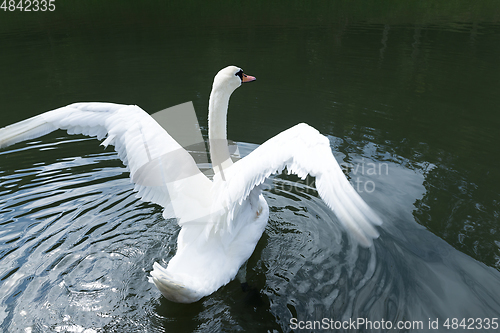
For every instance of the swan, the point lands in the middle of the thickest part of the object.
(222, 218)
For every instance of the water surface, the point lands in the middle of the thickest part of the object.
(407, 96)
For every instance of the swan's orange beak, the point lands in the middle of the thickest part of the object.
(247, 78)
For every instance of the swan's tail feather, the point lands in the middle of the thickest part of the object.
(172, 289)
(25, 130)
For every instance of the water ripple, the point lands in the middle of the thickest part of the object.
(76, 247)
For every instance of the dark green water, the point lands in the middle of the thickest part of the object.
(412, 86)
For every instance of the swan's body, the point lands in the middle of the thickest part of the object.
(221, 219)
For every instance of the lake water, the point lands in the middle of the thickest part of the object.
(407, 93)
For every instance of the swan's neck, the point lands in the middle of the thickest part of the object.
(217, 135)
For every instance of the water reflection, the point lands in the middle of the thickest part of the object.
(450, 200)
(78, 246)
(416, 91)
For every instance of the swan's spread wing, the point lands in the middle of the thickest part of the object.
(302, 150)
(163, 172)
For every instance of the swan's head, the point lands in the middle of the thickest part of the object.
(230, 78)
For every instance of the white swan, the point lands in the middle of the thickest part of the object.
(221, 219)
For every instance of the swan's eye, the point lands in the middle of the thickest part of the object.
(240, 74)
